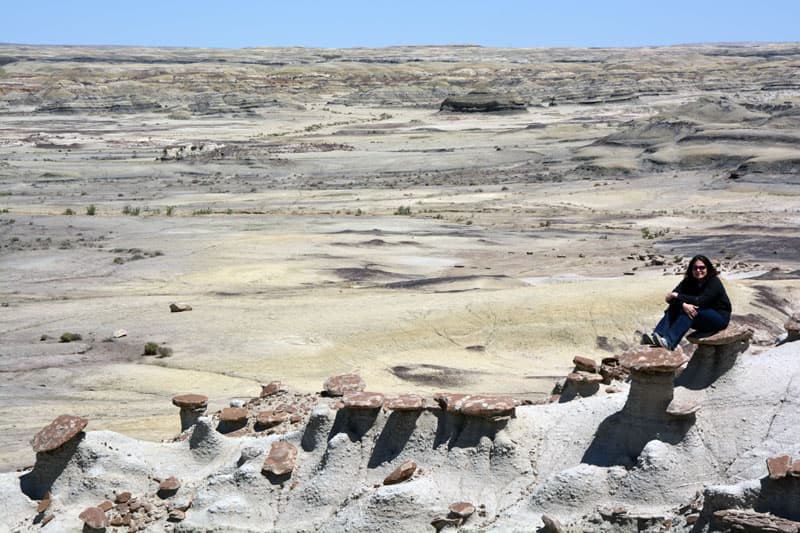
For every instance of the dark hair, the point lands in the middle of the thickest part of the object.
(711, 271)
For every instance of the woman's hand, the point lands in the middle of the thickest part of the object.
(690, 310)
(670, 296)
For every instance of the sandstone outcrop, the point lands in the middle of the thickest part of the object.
(60, 431)
(483, 102)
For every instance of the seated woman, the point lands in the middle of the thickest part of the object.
(699, 302)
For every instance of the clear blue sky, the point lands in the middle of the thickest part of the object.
(351, 23)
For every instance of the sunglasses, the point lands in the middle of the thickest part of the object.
(700, 267)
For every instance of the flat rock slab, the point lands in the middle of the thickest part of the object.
(733, 333)
(480, 405)
(58, 432)
(779, 466)
(179, 307)
(233, 414)
(94, 518)
(586, 364)
(653, 360)
(190, 401)
(341, 384)
(281, 458)
(363, 400)
(405, 402)
(753, 521)
(582, 376)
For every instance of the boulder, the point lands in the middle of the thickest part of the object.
(582, 376)
(179, 307)
(58, 432)
(233, 415)
(271, 418)
(190, 401)
(171, 484)
(480, 405)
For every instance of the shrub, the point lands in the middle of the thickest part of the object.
(403, 210)
(69, 211)
(150, 348)
(133, 211)
(164, 351)
(69, 337)
(91, 210)
(170, 210)
(206, 211)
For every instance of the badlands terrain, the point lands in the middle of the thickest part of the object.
(321, 216)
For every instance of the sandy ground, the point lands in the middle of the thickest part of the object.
(426, 251)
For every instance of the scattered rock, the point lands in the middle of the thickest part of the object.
(179, 307)
(171, 484)
(58, 432)
(339, 385)
(272, 388)
(122, 497)
(552, 524)
(271, 418)
(120, 333)
(94, 518)
(176, 515)
(440, 523)
(461, 509)
(281, 459)
(401, 473)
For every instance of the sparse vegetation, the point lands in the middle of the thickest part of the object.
(69, 211)
(151, 348)
(647, 234)
(404, 210)
(70, 337)
(164, 351)
(200, 212)
(132, 211)
(170, 210)
(91, 210)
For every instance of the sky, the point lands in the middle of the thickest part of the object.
(378, 23)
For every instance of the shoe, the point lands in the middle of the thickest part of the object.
(647, 339)
(661, 341)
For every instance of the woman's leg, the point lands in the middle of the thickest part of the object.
(709, 321)
(673, 325)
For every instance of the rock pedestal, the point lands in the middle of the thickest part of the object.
(193, 406)
(715, 355)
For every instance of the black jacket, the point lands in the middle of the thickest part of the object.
(709, 294)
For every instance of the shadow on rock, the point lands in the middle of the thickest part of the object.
(49, 466)
(394, 437)
(460, 431)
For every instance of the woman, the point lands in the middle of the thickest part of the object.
(698, 302)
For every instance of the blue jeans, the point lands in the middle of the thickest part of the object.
(675, 323)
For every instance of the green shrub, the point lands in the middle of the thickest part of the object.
(404, 210)
(170, 210)
(133, 211)
(69, 211)
(151, 348)
(91, 210)
(69, 337)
